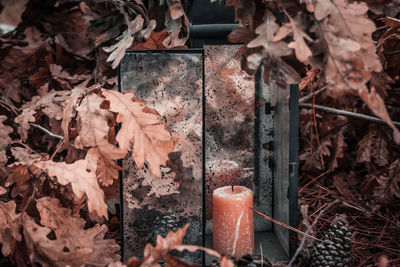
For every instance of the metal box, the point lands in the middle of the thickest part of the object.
(214, 111)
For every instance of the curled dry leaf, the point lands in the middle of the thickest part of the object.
(50, 252)
(5, 130)
(71, 232)
(125, 41)
(176, 24)
(163, 246)
(69, 106)
(299, 45)
(93, 131)
(5, 139)
(82, 176)
(388, 183)
(20, 175)
(373, 147)
(9, 227)
(266, 32)
(140, 125)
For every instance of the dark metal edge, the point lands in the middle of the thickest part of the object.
(293, 161)
(203, 167)
(121, 200)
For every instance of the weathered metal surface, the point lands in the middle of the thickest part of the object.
(171, 83)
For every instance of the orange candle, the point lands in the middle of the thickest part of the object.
(233, 228)
(219, 173)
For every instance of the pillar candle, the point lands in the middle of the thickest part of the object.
(219, 173)
(233, 227)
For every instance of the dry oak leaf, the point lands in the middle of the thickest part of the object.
(82, 176)
(69, 106)
(141, 125)
(58, 73)
(388, 183)
(125, 41)
(70, 231)
(93, 132)
(5, 139)
(49, 252)
(299, 45)
(373, 146)
(9, 227)
(266, 32)
(22, 170)
(5, 130)
(163, 245)
(20, 175)
(50, 104)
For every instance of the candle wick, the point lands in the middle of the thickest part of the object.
(232, 188)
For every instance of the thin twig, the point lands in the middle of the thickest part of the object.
(47, 131)
(286, 226)
(316, 130)
(310, 96)
(312, 181)
(346, 113)
(303, 240)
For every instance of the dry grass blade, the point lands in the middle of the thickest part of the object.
(286, 226)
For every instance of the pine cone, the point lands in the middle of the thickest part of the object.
(163, 224)
(336, 248)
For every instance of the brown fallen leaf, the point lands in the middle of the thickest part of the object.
(266, 32)
(50, 104)
(93, 131)
(9, 227)
(48, 252)
(4, 133)
(299, 45)
(388, 183)
(70, 231)
(125, 41)
(82, 176)
(152, 142)
(69, 106)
